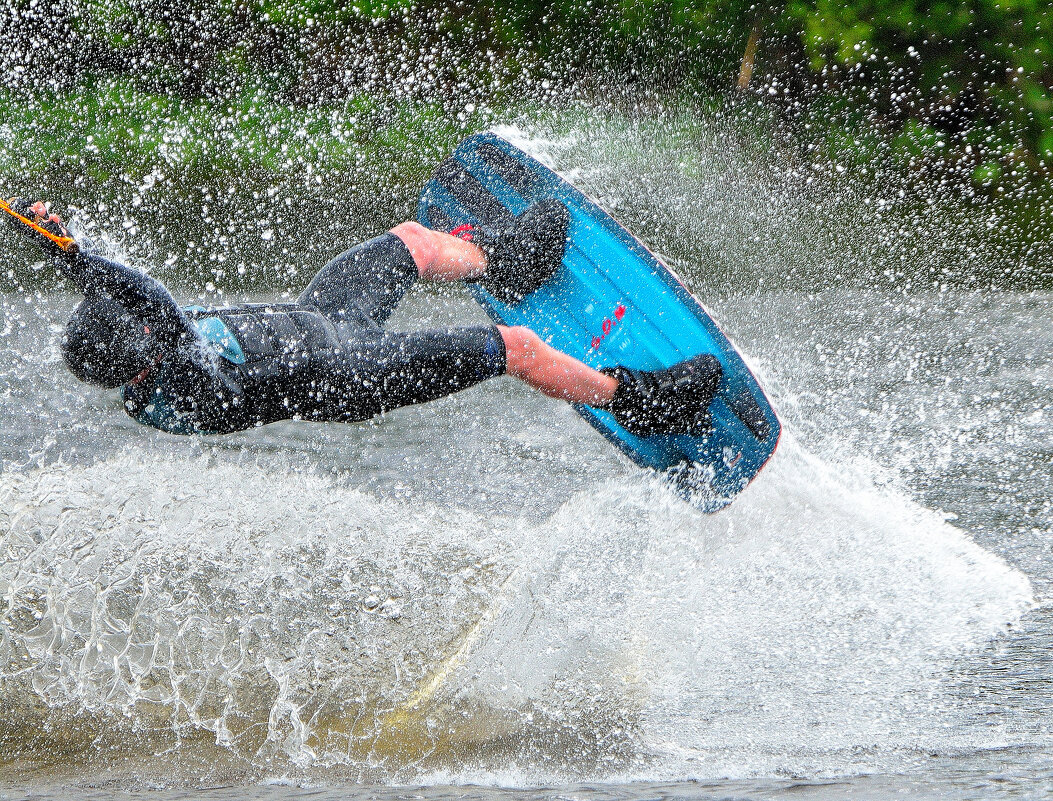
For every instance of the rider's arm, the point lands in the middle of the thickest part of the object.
(141, 294)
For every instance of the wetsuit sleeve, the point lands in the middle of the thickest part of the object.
(141, 294)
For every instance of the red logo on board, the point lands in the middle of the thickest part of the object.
(608, 325)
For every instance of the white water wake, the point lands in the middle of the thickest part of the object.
(806, 628)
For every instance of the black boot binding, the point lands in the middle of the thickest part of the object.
(521, 258)
(49, 234)
(671, 401)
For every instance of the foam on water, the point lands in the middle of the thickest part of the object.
(804, 629)
(214, 599)
(153, 590)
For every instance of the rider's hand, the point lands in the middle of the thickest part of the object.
(46, 228)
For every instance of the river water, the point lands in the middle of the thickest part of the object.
(479, 597)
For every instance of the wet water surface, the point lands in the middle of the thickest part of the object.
(479, 593)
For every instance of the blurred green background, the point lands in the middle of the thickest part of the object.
(965, 86)
(268, 112)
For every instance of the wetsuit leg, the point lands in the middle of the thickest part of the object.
(383, 370)
(376, 370)
(363, 285)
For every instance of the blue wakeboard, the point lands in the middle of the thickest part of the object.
(610, 303)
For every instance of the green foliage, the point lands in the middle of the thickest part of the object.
(953, 67)
(207, 177)
(114, 127)
(942, 80)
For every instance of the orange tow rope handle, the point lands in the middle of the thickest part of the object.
(64, 243)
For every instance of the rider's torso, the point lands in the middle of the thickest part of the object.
(255, 364)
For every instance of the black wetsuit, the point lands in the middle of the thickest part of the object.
(324, 358)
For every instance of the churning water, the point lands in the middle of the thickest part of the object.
(481, 591)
